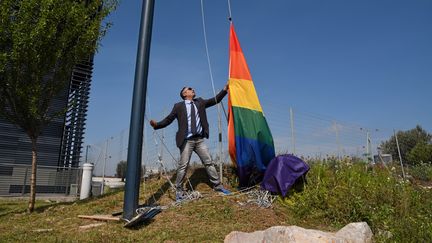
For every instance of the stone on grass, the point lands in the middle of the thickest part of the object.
(351, 233)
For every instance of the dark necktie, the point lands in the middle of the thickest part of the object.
(193, 119)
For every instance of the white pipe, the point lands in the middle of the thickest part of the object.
(86, 181)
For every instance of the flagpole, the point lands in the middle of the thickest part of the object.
(134, 159)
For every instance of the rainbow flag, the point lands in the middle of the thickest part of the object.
(250, 142)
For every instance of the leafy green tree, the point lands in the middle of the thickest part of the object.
(407, 141)
(421, 153)
(40, 42)
(121, 170)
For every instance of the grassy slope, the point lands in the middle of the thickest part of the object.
(205, 220)
(336, 195)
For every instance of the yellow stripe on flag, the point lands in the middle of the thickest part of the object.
(245, 94)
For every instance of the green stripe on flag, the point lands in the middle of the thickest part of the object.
(251, 124)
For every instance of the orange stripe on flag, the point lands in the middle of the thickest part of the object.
(238, 66)
(231, 134)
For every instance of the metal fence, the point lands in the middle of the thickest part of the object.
(307, 135)
(304, 134)
(15, 180)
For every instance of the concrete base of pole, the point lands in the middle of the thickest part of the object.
(86, 181)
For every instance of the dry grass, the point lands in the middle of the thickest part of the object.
(205, 220)
(336, 194)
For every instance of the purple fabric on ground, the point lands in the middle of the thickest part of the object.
(282, 172)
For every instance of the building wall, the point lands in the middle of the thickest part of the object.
(15, 146)
(74, 123)
(59, 144)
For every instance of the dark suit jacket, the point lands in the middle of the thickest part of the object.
(179, 112)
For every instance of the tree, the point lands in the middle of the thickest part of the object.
(421, 153)
(40, 42)
(121, 170)
(407, 141)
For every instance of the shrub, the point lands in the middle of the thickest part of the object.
(341, 193)
(421, 171)
(421, 153)
(407, 141)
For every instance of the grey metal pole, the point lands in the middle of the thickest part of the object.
(104, 167)
(400, 157)
(220, 146)
(370, 149)
(138, 111)
(367, 146)
(86, 156)
(337, 140)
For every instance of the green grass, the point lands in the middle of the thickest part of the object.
(205, 220)
(341, 193)
(336, 194)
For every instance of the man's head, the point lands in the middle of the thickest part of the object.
(187, 93)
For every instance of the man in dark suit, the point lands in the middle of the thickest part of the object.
(193, 128)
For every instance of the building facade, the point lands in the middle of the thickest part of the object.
(59, 145)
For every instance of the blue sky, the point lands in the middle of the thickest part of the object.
(363, 62)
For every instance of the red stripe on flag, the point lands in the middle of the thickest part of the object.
(238, 66)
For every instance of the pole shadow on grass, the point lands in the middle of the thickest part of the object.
(152, 199)
(199, 175)
(141, 225)
(23, 209)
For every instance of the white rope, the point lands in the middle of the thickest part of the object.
(261, 198)
(187, 197)
(206, 47)
(219, 106)
(208, 58)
